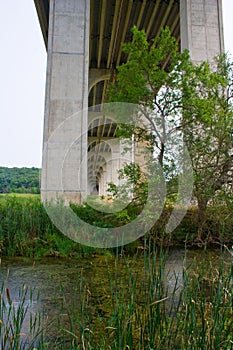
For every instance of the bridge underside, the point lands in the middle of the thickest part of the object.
(84, 42)
(110, 26)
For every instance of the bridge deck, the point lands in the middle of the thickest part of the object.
(110, 25)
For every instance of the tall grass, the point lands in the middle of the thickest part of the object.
(23, 225)
(13, 316)
(196, 314)
(137, 309)
(26, 230)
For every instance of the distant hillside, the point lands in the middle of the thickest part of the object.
(19, 180)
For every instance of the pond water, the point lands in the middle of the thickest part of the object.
(88, 286)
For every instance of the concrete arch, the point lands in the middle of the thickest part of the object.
(94, 116)
(96, 75)
(102, 164)
(97, 165)
(103, 146)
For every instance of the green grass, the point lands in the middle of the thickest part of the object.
(140, 311)
(19, 195)
(26, 229)
(143, 314)
(12, 318)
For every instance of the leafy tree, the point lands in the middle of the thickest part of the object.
(19, 180)
(208, 125)
(135, 187)
(148, 81)
(179, 100)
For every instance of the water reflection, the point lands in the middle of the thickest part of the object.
(87, 286)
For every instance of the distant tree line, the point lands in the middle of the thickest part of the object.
(19, 180)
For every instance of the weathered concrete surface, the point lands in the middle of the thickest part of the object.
(65, 159)
(201, 28)
(64, 169)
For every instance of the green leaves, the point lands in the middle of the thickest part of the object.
(177, 97)
(152, 79)
(139, 79)
(19, 180)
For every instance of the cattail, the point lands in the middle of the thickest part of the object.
(8, 296)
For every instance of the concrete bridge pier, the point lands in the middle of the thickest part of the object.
(201, 28)
(66, 94)
(71, 73)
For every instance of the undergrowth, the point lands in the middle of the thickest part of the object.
(26, 229)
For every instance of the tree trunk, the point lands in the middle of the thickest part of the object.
(202, 206)
(161, 154)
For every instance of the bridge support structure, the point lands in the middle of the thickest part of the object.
(70, 77)
(66, 94)
(201, 28)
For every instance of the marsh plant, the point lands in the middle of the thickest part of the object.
(20, 328)
(26, 229)
(196, 313)
(141, 305)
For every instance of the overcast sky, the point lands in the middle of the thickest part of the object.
(22, 80)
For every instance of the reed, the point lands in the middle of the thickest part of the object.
(144, 314)
(26, 229)
(13, 316)
(137, 310)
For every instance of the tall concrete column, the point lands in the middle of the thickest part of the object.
(64, 170)
(201, 28)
